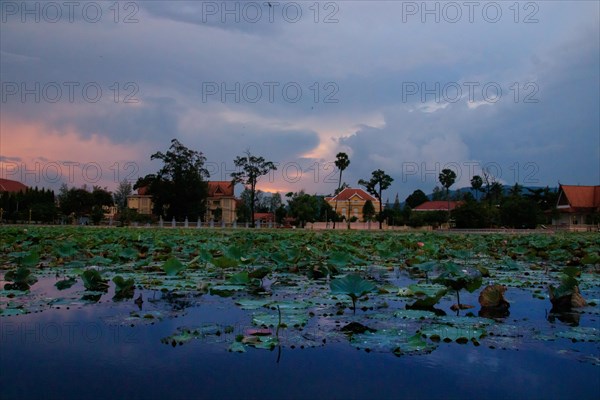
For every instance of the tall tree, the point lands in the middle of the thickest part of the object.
(275, 201)
(120, 196)
(379, 182)
(476, 184)
(252, 168)
(342, 161)
(447, 178)
(179, 189)
(102, 198)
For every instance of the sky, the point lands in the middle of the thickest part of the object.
(91, 89)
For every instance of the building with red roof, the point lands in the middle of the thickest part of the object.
(221, 204)
(577, 205)
(437, 205)
(142, 201)
(10, 186)
(350, 202)
(264, 218)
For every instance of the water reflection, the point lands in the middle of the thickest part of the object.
(571, 318)
(494, 312)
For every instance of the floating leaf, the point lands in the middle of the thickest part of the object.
(65, 283)
(124, 288)
(128, 253)
(92, 280)
(427, 296)
(225, 262)
(173, 266)
(392, 340)
(21, 277)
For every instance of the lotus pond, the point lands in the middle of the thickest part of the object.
(208, 313)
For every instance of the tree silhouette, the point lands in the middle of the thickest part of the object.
(179, 189)
(476, 184)
(341, 162)
(375, 186)
(447, 178)
(252, 168)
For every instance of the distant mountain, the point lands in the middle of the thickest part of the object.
(461, 191)
(505, 190)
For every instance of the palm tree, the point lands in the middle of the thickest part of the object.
(447, 179)
(342, 162)
(476, 184)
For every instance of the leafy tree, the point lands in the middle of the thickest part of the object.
(326, 211)
(379, 182)
(470, 215)
(101, 198)
(432, 218)
(252, 168)
(275, 202)
(342, 162)
(368, 211)
(179, 189)
(517, 212)
(417, 198)
(476, 184)
(303, 207)
(81, 202)
(78, 202)
(280, 214)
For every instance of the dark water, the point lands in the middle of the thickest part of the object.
(80, 353)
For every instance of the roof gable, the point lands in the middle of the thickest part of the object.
(579, 196)
(220, 189)
(350, 193)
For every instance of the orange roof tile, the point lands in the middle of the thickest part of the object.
(579, 196)
(220, 188)
(264, 216)
(7, 185)
(437, 205)
(348, 193)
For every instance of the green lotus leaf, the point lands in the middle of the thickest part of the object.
(65, 283)
(92, 280)
(173, 266)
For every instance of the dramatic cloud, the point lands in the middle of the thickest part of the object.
(408, 87)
